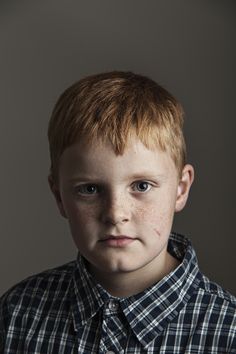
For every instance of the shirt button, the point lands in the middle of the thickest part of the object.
(113, 306)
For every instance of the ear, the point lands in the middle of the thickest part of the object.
(184, 185)
(56, 192)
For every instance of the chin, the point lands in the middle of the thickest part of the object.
(121, 266)
(111, 265)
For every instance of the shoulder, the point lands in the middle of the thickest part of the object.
(214, 292)
(210, 314)
(39, 287)
(214, 308)
(38, 296)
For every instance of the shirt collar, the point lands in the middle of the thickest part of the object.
(87, 296)
(149, 312)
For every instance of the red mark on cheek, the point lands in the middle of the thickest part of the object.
(157, 232)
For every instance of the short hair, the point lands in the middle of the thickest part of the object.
(114, 106)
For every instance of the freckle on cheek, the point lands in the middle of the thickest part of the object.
(146, 214)
(89, 213)
(141, 213)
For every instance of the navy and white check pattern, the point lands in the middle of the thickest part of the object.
(64, 311)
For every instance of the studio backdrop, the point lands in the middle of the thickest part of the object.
(186, 46)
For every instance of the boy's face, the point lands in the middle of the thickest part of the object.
(120, 208)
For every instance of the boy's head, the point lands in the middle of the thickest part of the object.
(118, 175)
(115, 106)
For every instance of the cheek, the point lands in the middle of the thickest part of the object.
(146, 214)
(149, 212)
(148, 219)
(155, 218)
(78, 215)
(81, 222)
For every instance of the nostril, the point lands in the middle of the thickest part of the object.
(125, 220)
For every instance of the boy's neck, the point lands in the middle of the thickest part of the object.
(126, 284)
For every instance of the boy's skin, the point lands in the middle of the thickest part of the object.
(136, 195)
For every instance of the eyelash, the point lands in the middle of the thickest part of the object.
(80, 189)
(144, 182)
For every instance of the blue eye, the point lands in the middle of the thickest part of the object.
(87, 189)
(142, 186)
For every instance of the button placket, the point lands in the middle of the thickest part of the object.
(112, 329)
(113, 305)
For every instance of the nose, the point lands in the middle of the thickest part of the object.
(116, 210)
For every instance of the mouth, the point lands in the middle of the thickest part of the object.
(117, 241)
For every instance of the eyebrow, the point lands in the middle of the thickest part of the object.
(146, 175)
(136, 176)
(83, 179)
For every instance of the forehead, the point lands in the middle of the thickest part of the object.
(98, 157)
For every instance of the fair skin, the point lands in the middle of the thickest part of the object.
(120, 209)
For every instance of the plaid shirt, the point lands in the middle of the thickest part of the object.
(64, 311)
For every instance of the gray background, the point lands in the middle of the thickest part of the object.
(187, 46)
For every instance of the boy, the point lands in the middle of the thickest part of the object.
(118, 174)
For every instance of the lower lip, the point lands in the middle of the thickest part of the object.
(119, 242)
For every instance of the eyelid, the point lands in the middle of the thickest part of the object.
(143, 181)
(150, 184)
(78, 188)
